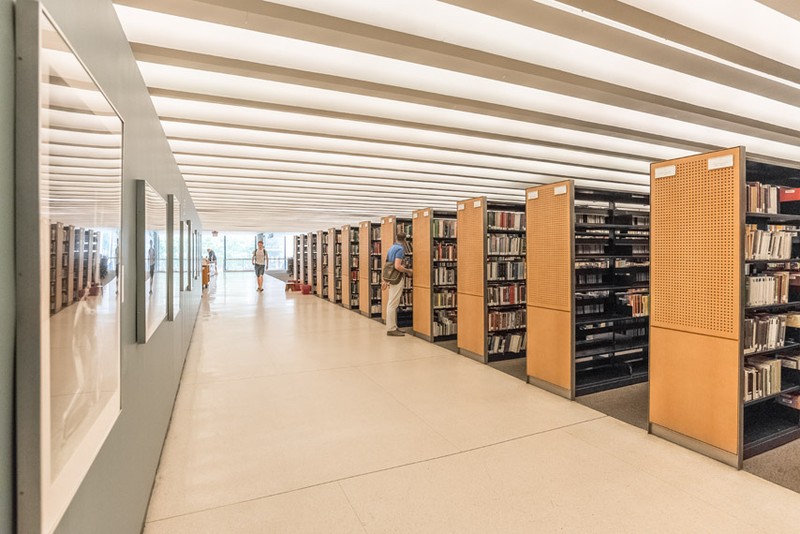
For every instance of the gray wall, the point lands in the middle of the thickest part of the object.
(114, 495)
(6, 265)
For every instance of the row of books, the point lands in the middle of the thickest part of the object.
(505, 270)
(502, 244)
(443, 228)
(444, 251)
(764, 332)
(586, 249)
(375, 277)
(374, 293)
(762, 198)
(766, 289)
(375, 235)
(408, 283)
(638, 302)
(445, 323)
(505, 220)
(376, 247)
(772, 244)
(619, 263)
(504, 295)
(444, 299)
(590, 218)
(509, 343)
(506, 320)
(589, 279)
(375, 263)
(762, 377)
(444, 276)
(406, 299)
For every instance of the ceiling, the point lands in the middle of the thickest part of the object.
(297, 115)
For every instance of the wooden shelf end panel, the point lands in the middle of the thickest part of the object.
(694, 386)
(422, 311)
(549, 355)
(472, 324)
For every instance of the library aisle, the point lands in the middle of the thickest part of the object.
(297, 415)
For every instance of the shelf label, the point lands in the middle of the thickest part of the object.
(461, 207)
(425, 214)
(720, 162)
(476, 204)
(414, 215)
(533, 195)
(560, 190)
(666, 172)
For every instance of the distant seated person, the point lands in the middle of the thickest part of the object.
(212, 259)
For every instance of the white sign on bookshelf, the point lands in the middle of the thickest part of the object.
(476, 204)
(425, 214)
(414, 215)
(720, 162)
(533, 195)
(666, 171)
(560, 190)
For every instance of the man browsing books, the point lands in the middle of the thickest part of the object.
(395, 256)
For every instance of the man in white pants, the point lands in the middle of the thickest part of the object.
(395, 255)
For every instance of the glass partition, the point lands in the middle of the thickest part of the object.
(174, 256)
(80, 199)
(152, 297)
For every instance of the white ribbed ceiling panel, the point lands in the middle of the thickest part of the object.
(295, 115)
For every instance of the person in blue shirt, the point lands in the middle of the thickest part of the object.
(396, 255)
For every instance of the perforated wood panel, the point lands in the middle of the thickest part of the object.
(321, 236)
(550, 244)
(694, 386)
(421, 260)
(346, 294)
(471, 243)
(549, 354)
(388, 232)
(696, 233)
(363, 266)
(331, 263)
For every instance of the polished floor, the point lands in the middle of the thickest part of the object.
(297, 416)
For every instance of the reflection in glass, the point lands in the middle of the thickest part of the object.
(80, 208)
(176, 257)
(155, 255)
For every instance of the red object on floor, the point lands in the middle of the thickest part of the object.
(306, 290)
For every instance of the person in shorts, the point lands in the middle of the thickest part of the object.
(260, 260)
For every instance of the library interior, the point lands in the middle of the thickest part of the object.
(418, 266)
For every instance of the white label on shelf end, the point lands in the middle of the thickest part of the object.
(461, 207)
(533, 195)
(720, 162)
(425, 214)
(560, 190)
(476, 204)
(666, 172)
(414, 215)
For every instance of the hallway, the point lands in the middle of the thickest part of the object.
(295, 415)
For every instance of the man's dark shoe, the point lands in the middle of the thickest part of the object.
(395, 333)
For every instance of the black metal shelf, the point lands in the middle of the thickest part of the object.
(502, 231)
(770, 352)
(443, 238)
(791, 389)
(612, 226)
(504, 255)
(768, 307)
(505, 281)
(508, 330)
(624, 287)
(621, 347)
(594, 318)
(782, 218)
(494, 306)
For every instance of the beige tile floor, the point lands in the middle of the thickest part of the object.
(298, 416)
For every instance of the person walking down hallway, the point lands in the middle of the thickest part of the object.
(260, 261)
(395, 256)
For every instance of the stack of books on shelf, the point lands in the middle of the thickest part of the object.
(443, 228)
(762, 377)
(764, 332)
(767, 289)
(511, 294)
(502, 245)
(762, 198)
(775, 243)
(444, 299)
(506, 221)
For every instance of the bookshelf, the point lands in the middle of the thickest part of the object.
(434, 279)
(311, 259)
(390, 226)
(587, 297)
(304, 267)
(335, 265)
(350, 263)
(491, 260)
(296, 262)
(321, 288)
(710, 314)
(370, 265)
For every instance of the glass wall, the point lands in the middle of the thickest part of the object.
(234, 250)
